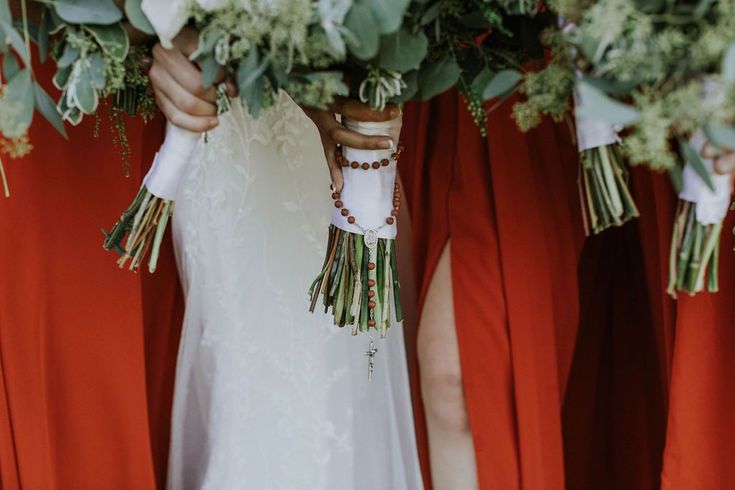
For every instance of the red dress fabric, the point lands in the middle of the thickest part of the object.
(697, 349)
(87, 351)
(508, 203)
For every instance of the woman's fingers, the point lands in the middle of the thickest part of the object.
(338, 134)
(725, 164)
(184, 72)
(335, 171)
(346, 137)
(184, 100)
(354, 109)
(198, 124)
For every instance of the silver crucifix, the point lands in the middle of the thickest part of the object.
(372, 350)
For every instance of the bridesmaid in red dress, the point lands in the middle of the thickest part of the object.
(696, 346)
(497, 235)
(87, 351)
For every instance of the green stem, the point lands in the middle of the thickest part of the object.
(6, 189)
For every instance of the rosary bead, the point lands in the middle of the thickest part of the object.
(371, 282)
(355, 165)
(345, 212)
(335, 195)
(371, 266)
(390, 221)
(371, 304)
(371, 294)
(371, 323)
(338, 204)
(385, 162)
(351, 220)
(345, 163)
(394, 213)
(376, 165)
(365, 165)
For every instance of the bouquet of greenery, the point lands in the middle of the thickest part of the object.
(664, 73)
(265, 46)
(423, 49)
(94, 60)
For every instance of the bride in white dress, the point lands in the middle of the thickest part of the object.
(269, 396)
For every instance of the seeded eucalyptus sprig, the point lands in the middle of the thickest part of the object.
(94, 60)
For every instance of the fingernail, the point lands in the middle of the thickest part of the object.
(386, 144)
(394, 112)
(213, 123)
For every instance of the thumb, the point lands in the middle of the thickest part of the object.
(335, 170)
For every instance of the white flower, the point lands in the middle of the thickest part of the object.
(167, 17)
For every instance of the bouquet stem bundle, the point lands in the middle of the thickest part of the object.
(607, 200)
(359, 278)
(144, 223)
(345, 277)
(695, 250)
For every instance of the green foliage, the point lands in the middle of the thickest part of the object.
(661, 69)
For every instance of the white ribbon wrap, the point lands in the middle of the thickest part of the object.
(368, 194)
(712, 206)
(591, 132)
(169, 165)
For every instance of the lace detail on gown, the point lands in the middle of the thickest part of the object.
(267, 395)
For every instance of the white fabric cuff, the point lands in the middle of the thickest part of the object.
(712, 206)
(368, 194)
(169, 166)
(592, 133)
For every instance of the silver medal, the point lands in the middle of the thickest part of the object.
(371, 239)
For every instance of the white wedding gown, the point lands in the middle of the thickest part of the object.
(269, 396)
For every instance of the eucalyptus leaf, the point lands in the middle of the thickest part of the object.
(15, 41)
(137, 18)
(69, 56)
(45, 105)
(675, 174)
(721, 136)
(112, 38)
(96, 71)
(19, 93)
(481, 81)
(403, 50)
(692, 157)
(74, 115)
(5, 12)
(61, 78)
(362, 25)
(210, 68)
(728, 64)
(100, 12)
(250, 70)
(502, 83)
(436, 77)
(253, 96)
(10, 66)
(431, 14)
(597, 105)
(388, 14)
(86, 96)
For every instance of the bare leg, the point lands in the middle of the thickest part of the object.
(451, 450)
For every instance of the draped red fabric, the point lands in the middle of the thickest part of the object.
(697, 345)
(86, 350)
(508, 203)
